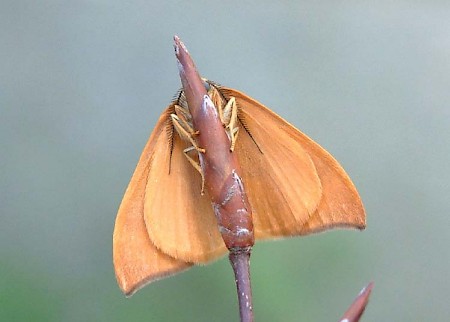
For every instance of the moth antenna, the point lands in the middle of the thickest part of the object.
(177, 95)
(169, 131)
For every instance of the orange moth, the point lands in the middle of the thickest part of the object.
(166, 224)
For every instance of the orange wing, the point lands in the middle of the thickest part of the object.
(136, 259)
(180, 221)
(164, 225)
(295, 187)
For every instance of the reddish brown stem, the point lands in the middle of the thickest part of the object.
(240, 261)
(356, 309)
(221, 172)
(219, 165)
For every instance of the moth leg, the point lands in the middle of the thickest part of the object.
(234, 134)
(230, 121)
(185, 131)
(183, 114)
(195, 164)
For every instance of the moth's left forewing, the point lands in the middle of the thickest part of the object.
(341, 205)
(289, 172)
(280, 178)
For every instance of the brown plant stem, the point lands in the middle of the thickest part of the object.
(240, 261)
(222, 180)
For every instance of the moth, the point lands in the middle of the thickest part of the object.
(166, 224)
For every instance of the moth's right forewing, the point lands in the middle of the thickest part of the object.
(136, 259)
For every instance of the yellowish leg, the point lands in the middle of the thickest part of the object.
(186, 132)
(195, 164)
(183, 114)
(230, 121)
(226, 111)
(234, 134)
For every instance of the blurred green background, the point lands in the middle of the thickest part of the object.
(82, 84)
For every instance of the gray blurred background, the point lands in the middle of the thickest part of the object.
(82, 84)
